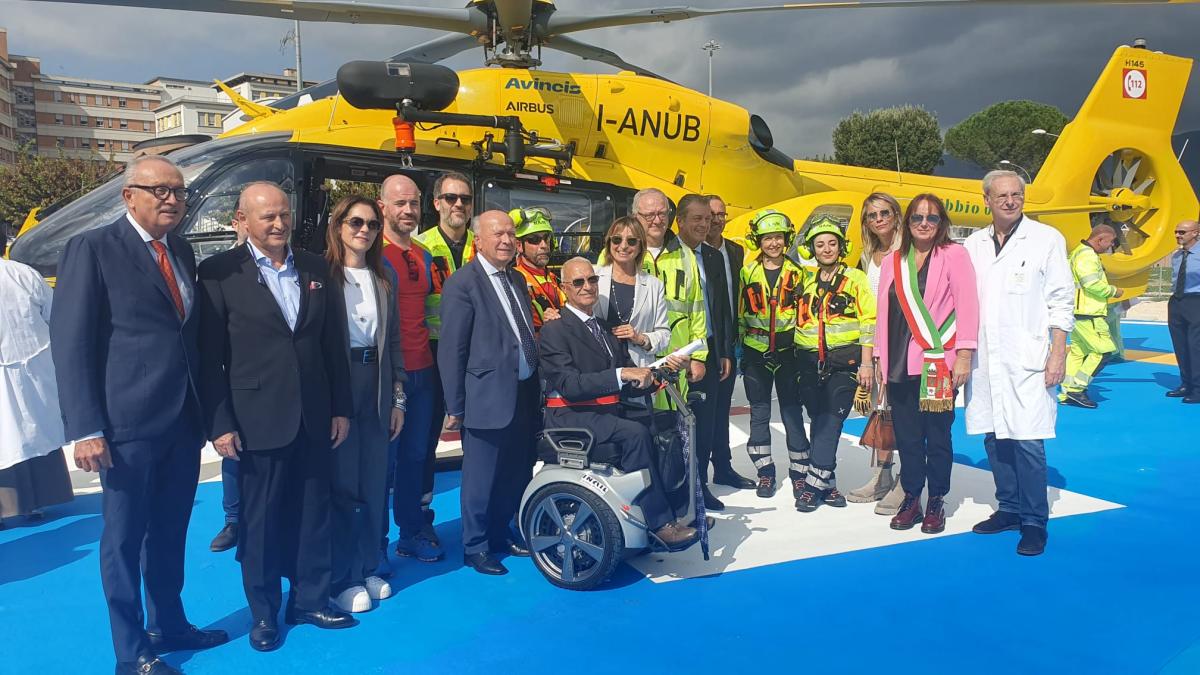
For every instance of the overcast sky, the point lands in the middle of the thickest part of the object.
(802, 71)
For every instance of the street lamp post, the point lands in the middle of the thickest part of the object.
(1028, 179)
(1043, 132)
(711, 47)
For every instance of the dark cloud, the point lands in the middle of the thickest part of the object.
(802, 71)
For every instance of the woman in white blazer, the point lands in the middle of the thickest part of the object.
(632, 303)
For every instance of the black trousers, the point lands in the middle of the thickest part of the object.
(146, 504)
(831, 400)
(636, 452)
(495, 471)
(760, 378)
(285, 526)
(923, 438)
(722, 454)
(1183, 320)
(707, 412)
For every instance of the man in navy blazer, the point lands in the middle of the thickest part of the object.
(488, 361)
(123, 329)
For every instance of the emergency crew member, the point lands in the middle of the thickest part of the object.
(772, 285)
(534, 243)
(450, 245)
(1090, 339)
(835, 333)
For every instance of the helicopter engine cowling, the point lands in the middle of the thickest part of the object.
(384, 85)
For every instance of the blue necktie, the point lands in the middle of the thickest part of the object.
(528, 346)
(594, 326)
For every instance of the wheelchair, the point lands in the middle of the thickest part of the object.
(581, 516)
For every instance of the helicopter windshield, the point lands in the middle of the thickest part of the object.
(41, 247)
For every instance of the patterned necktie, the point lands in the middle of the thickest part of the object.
(594, 326)
(1180, 281)
(528, 346)
(168, 273)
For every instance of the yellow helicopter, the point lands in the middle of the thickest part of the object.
(580, 145)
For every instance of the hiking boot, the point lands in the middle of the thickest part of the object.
(798, 487)
(909, 513)
(766, 487)
(810, 499)
(834, 498)
(890, 504)
(1078, 399)
(935, 516)
(880, 484)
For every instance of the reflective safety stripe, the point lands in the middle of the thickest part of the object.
(1085, 280)
(832, 328)
(762, 460)
(560, 402)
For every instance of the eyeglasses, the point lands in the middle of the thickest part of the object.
(536, 239)
(452, 198)
(881, 214)
(161, 192)
(413, 272)
(616, 240)
(656, 215)
(718, 215)
(933, 219)
(356, 223)
(590, 281)
(1015, 196)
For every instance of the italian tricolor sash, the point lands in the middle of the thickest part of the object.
(937, 384)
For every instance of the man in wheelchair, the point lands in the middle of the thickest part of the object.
(587, 371)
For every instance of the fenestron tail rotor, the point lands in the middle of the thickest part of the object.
(1122, 175)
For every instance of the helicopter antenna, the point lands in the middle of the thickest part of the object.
(294, 36)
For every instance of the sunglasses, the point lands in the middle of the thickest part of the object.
(452, 198)
(590, 281)
(356, 223)
(629, 241)
(411, 263)
(933, 219)
(1182, 233)
(536, 239)
(882, 214)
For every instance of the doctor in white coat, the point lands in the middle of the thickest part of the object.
(1026, 304)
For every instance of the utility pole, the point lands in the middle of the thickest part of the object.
(711, 47)
(294, 37)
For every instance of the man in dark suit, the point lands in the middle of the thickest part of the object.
(275, 384)
(732, 257)
(586, 370)
(124, 334)
(693, 219)
(488, 362)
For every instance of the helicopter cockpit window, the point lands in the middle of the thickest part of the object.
(210, 225)
(842, 213)
(579, 218)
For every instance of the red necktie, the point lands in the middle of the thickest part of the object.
(164, 266)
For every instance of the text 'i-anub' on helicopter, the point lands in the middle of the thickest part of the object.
(581, 145)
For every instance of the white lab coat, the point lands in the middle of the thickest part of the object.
(30, 422)
(1023, 293)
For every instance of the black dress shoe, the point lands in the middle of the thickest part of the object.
(1192, 398)
(264, 636)
(146, 665)
(484, 563)
(1000, 521)
(514, 548)
(192, 638)
(727, 476)
(321, 618)
(711, 503)
(225, 539)
(1033, 540)
(1181, 392)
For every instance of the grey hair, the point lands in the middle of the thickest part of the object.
(995, 174)
(642, 194)
(132, 166)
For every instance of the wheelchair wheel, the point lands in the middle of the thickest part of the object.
(574, 537)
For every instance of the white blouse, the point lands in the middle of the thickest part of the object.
(873, 277)
(361, 311)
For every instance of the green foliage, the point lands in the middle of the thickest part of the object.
(871, 140)
(36, 181)
(344, 188)
(1002, 131)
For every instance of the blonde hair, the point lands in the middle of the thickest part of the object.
(870, 241)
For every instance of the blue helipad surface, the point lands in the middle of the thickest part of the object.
(1116, 591)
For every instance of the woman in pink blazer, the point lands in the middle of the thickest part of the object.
(926, 331)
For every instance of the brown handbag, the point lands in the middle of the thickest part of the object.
(879, 434)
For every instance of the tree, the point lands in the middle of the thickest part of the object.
(1002, 131)
(872, 140)
(36, 181)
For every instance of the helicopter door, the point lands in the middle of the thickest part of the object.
(580, 214)
(209, 228)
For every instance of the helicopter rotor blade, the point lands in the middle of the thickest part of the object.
(560, 24)
(437, 49)
(463, 20)
(589, 52)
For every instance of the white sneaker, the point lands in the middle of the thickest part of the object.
(378, 589)
(353, 599)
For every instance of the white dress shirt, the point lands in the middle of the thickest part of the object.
(362, 314)
(584, 317)
(184, 283)
(514, 314)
